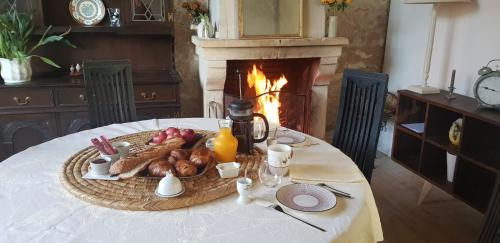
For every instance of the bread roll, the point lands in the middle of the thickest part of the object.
(128, 163)
(171, 160)
(201, 157)
(185, 168)
(180, 154)
(159, 168)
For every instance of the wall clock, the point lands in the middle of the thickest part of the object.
(487, 87)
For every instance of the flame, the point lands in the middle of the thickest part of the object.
(269, 103)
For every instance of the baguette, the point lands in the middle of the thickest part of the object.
(139, 159)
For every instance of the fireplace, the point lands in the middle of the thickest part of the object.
(288, 103)
(308, 63)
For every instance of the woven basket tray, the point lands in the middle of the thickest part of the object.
(137, 193)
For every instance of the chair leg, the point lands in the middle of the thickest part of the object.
(426, 188)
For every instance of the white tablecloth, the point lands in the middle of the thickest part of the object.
(34, 207)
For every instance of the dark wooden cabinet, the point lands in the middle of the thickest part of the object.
(20, 131)
(54, 105)
(71, 122)
(50, 107)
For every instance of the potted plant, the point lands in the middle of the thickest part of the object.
(334, 7)
(15, 53)
(195, 12)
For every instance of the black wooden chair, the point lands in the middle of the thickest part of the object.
(109, 90)
(360, 116)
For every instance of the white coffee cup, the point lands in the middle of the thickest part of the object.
(100, 166)
(111, 157)
(122, 147)
(279, 155)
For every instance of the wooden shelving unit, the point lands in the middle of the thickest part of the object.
(478, 154)
(126, 30)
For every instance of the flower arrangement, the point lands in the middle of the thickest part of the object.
(195, 11)
(336, 5)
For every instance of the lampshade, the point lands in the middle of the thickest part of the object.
(435, 1)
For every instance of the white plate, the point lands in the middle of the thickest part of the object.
(306, 198)
(290, 137)
(169, 196)
(92, 176)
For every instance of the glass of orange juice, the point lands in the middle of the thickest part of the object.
(225, 144)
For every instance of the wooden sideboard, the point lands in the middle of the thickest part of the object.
(50, 107)
(478, 154)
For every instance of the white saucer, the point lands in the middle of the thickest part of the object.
(169, 196)
(289, 137)
(306, 198)
(91, 176)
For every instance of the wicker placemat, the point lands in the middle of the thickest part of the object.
(137, 193)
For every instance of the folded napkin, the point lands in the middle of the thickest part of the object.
(318, 163)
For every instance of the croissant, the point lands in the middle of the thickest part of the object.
(180, 154)
(185, 168)
(201, 157)
(159, 168)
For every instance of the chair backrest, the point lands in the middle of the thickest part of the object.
(109, 90)
(359, 117)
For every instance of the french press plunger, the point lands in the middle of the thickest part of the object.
(242, 115)
(241, 112)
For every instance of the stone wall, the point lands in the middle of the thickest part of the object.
(364, 23)
(186, 63)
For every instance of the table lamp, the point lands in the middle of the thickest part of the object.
(425, 88)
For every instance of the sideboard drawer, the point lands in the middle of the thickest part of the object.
(70, 97)
(25, 98)
(155, 93)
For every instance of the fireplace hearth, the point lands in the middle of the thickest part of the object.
(292, 107)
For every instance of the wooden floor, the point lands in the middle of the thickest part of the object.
(441, 218)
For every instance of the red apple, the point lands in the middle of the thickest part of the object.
(174, 135)
(171, 130)
(160, 137)
(188, 134)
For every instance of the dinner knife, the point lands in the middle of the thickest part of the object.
(280, 209)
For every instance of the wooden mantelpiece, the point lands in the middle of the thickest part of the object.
(478, 163)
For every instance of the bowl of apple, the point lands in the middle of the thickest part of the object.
(189, 135)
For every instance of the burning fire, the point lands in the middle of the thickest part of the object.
(269, 103)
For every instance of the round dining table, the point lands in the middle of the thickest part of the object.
(35, 207)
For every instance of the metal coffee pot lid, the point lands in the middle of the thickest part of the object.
(240, 108)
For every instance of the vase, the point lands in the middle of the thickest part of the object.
(15, 70)
(332, 26)
(205, 29)
(451, 161)
(193, 26)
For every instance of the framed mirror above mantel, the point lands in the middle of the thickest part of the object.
(270, 19)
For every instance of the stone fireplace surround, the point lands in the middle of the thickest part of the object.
(214, 53)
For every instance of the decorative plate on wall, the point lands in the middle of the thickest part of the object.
(87, 12)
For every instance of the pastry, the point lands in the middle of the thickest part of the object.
(171, 160)
(180, 154)
(159, 168)
(128, 163)
(185, 168)
(201, 157)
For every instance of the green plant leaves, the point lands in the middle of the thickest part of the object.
(48, 61)
(15, 32)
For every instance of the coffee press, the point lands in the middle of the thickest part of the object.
(242, 115)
